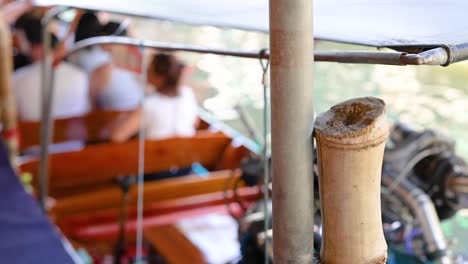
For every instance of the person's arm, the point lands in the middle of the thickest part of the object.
(74, 24)
(13, 10)
(61, 49)
(127, 128)
(5, 2)
(99, 80)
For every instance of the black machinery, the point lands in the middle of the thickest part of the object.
(423, 182)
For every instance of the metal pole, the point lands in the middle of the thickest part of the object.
(47, 101)
(141, 164)
(431, 57)
(291, 52)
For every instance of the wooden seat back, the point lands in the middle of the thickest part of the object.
(154, 191)
(92, 127)
(103, 163)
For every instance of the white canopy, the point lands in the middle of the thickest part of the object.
(380, 23)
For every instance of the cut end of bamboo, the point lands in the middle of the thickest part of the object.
(350, 146)
(359, 121)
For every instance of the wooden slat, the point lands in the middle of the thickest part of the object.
(92, 127)
(174, 246)
(157, 191)
(104, 236)
(69, 223)
(233, 156)
(110, 230)
(103, 163)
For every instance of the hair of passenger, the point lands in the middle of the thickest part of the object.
(33, 30)
(22, 21)
(113, 28)
(168, 67)
(88, 26)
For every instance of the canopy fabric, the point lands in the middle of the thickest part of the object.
(380, 23)
(27, 236)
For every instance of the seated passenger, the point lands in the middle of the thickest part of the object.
(71, 97)
(21, 52)
(170, 111)
(112, 88)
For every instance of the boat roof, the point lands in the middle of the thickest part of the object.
(379, 23)
(27, 234)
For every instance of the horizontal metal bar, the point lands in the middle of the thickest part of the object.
(162, 46)
(444, 56)
(458, 52)
(432, 57)
(437, 57)
(363, 57)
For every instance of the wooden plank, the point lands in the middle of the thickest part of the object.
(173, 245)
(110, 230)
(233, 156)
(91, 128)
(157, 191)
(71, 222)
(103, 163)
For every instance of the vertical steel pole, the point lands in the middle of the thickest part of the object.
(47, 123)
(291, 54)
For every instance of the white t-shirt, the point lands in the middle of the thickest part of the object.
(90, 59)
(70, 96)
(216, 235)
(165, 116)
(124, 92)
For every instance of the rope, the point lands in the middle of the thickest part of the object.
(266, 176)
(141, 165)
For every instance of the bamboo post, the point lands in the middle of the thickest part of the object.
(351, 141)
(291, 57)
(7, 100)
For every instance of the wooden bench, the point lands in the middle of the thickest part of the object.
(155, 191)
(94, 216)
(168, 241)
(166, 201)
(163, 196)
(91, 128)
(98, 165)
(174, 246)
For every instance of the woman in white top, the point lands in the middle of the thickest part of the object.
(170, 111)
(110, 87)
